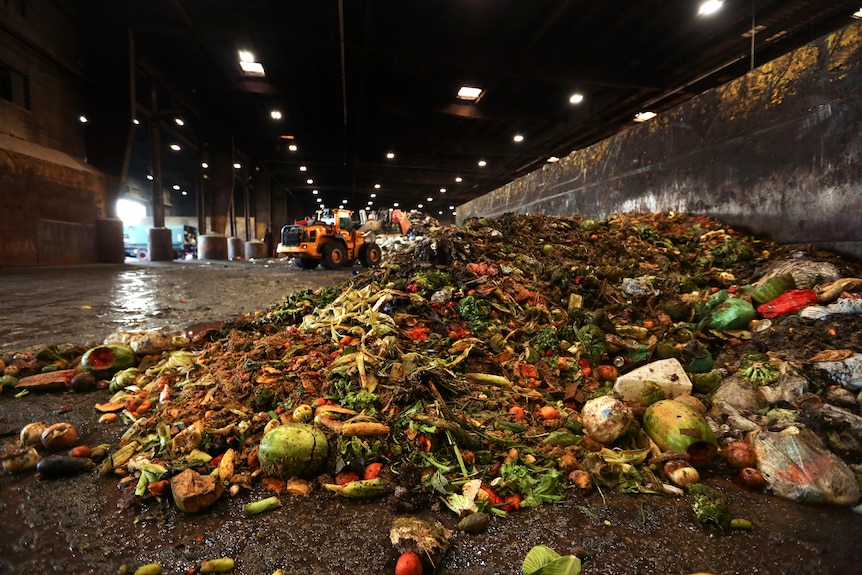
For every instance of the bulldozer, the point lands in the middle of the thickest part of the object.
(332, 240)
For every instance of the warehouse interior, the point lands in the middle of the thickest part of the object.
(245, 116)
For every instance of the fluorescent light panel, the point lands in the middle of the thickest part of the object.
(469, 93)
(644, 116)
(710, 7)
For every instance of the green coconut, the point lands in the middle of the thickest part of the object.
(676, 427)
(292, 450)
(103, 361)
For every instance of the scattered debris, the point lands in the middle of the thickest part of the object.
(500, 365)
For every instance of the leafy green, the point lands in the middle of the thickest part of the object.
(546, 338)
(475, 311)
(536, 485)
(542, 560)
(433, 280)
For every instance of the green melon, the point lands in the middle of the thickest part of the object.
(292, 450)
(103, 361)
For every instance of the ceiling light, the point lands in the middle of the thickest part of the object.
(343, 201)
(83, 119)
(204, 165)
(136, 122)
(309, 181)
(176, 187)
(482, 163)
(390, 155)
(442, 190)
(319, 200)
(459, 179)
(275, 115)
(179, 122)
(237, 166)
(176, 147)
(644, 116)
(252, 68)
(576, 98)
(373, 195)
(420, 206)
(395, 204)
(302, 168)
(185, 193)
(429, 200)
(292, 148)
(376, 186)
(518, 138)
(314, 192)
(857, 14)
(249, 65)
(150, 177)
(370, 203)
(440, 212)
(469, 93)
(710, 7)
(452, 208)
(553, 159)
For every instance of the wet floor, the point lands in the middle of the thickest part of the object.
(80, 304)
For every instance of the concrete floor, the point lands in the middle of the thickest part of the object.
(83, 304)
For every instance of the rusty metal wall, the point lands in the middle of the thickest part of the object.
(777, 153)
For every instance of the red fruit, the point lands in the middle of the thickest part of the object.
(740, 455)
(346, 477)
(372, 470)
(549, 412)
(512, 501)
(608, 373)
(80, 451)
(751, 478)
(516, 412)
(408, 564)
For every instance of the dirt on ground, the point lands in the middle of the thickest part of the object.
(439, 345)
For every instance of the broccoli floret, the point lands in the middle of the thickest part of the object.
(710, 506)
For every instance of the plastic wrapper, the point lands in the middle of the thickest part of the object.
(797, 466)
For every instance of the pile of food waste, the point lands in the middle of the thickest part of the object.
(503, 364)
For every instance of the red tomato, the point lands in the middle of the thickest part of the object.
(372, 470)
(549, 412)
(512, 501)
(608, 372)
(409, 564)
(516, 412)
(346, 477)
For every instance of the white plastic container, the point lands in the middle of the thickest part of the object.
(668, 374)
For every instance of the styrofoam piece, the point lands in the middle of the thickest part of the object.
(668, 374)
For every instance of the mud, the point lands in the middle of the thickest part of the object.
(75, 525)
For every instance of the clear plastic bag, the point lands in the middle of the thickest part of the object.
(798, 466)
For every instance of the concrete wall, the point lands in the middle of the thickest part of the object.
(777, 153)
(50, 199)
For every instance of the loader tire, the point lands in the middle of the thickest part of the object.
(371, 255)
(334, 256)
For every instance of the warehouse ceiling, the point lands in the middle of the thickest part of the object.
(355, 80)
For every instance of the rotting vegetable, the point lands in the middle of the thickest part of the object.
(466, 359)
